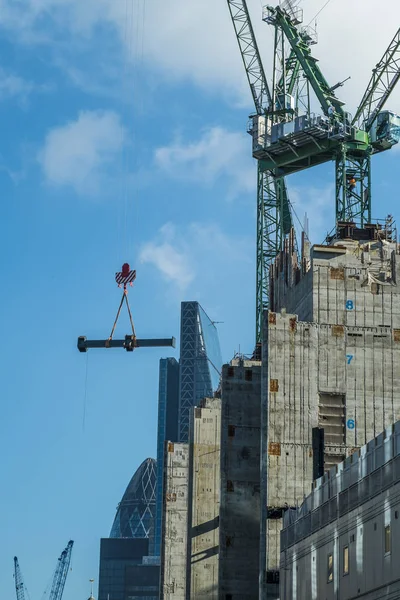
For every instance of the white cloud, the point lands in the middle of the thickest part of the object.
(172, 262)
(185, 39)
(77, 154)
(217, 153)
(14, 87)
(198, 257)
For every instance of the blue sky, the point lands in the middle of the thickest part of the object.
(123, 139)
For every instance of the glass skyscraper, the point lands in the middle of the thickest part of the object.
(168, 424)
(183, 385)
(200, 362)
(126, 572)
(136, 511)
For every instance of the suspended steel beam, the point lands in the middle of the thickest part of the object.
(382, 83)
(129, 343)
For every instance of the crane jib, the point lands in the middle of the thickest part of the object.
(59, 579)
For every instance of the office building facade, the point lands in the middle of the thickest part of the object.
(168, 423)
(344, 541)
(116, 557)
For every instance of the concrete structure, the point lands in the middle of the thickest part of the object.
(203, 531)
(344, 541)
(240, 481)
(331, 346)
(212, 534)
(175, 522)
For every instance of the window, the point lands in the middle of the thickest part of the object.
(387, 539)
(346, 560)
(330, 568)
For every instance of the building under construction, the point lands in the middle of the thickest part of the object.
(328, 324)
(331, 355)
(327, 385)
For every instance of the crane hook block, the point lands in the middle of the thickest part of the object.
(123, 278)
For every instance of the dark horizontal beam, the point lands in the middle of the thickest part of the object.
(129, 343)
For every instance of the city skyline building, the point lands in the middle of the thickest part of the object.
(200, 362)
(168, 421)
(183, 385)
(126, 571)
(136, 511)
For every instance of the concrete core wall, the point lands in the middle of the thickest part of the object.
(205, 491)
(240, 481)
(175, 522)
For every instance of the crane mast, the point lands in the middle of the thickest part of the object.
(18, 581)
(61, 573)
(274, 220)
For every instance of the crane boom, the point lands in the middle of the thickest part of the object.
(250, 55)
(308, 63)
(19, 584)
(274, 219)
(61, 573)
(384, 78)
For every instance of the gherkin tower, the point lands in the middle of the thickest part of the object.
(136, 511)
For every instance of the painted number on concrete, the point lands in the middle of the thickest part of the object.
(349, 358)
(351, 424)
(349, 305)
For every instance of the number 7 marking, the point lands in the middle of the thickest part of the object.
(349, 358)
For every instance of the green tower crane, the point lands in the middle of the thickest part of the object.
(308, 140)
(288, 137)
